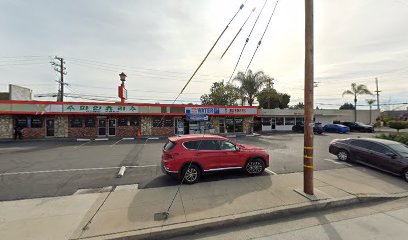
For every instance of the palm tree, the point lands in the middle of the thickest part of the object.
(370, 102)
(251, 84)
(355, 91)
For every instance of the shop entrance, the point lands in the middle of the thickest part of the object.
(112, 127)
(102, 127)
(273, 123)
(49, 123)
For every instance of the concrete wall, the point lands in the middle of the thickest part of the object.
(61, 126)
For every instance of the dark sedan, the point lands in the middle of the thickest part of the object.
(359, 127)
(388, 156)
(300, 128)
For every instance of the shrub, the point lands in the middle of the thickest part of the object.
(398, 125)
(402, 138)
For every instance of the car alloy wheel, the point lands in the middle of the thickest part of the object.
(342, 155)
(191, 174)
(255, 167)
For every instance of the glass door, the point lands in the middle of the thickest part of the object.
(222, 125)
(102, 127)
(112, 127)
(273, 123)
(50, 127)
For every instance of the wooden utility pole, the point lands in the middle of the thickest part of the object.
(309, 85)
(378, 94)
(59, 67)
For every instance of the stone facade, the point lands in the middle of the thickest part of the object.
(61, 126)
(215, 122)
(127, 131)
(6, 126)
(146, 123)
(163, 131)
(32, 133)
(248, 125)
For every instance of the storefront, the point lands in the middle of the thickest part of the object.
(40, 119)
(285, 119)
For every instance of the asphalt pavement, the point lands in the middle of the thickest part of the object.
(33, 169)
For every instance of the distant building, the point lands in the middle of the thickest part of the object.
(17, 93)
(401, 114)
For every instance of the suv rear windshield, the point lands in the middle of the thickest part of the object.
(169, 145)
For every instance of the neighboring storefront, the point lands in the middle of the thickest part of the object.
(285, 119)
(41, 119)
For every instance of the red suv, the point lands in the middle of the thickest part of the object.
(190, 156)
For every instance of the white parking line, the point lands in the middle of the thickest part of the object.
(128, 138)
(153, 138)
(336, 162)
(116, 142)
(271, 172)
(145, 166)
(101, 139)
(60, 170)
(73, 170)
(83, 140)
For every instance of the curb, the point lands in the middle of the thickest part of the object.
(185, 228)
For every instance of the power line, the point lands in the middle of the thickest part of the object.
(236, 35)
(260, 41)
(215, 43)
(247, 40)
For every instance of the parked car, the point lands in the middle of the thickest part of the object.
(336, 128)
(358, 126)
(190, 156)
(386, 155)
(317, 128)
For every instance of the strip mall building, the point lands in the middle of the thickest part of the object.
(41, 119)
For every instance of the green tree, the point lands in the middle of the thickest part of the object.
(370, 102)
(347, 106)
(221, 94)
(355, 91)
(299, 105)
(269, 98)
(251, 84)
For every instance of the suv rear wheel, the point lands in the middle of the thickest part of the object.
(191, 174)
(255, 166)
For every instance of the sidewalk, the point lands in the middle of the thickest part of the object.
(128, 212)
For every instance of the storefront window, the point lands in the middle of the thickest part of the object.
(163, 122)
(134, 121)
(239, 125)
(266, 121)
(76, 122)
(229, 124)
(36, 122)
(90, 122)
(299, 120)
(21, 121)
(289, 121)
(123, 121)
(279, 121)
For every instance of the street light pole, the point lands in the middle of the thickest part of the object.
(309, 85)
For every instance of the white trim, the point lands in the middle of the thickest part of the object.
(221, 169)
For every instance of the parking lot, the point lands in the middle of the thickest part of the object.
(31, 169)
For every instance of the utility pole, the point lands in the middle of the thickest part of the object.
(59, 67)
(308, 97)
(378, 94)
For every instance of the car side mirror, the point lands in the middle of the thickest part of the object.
(237, 148)
(391, 155)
